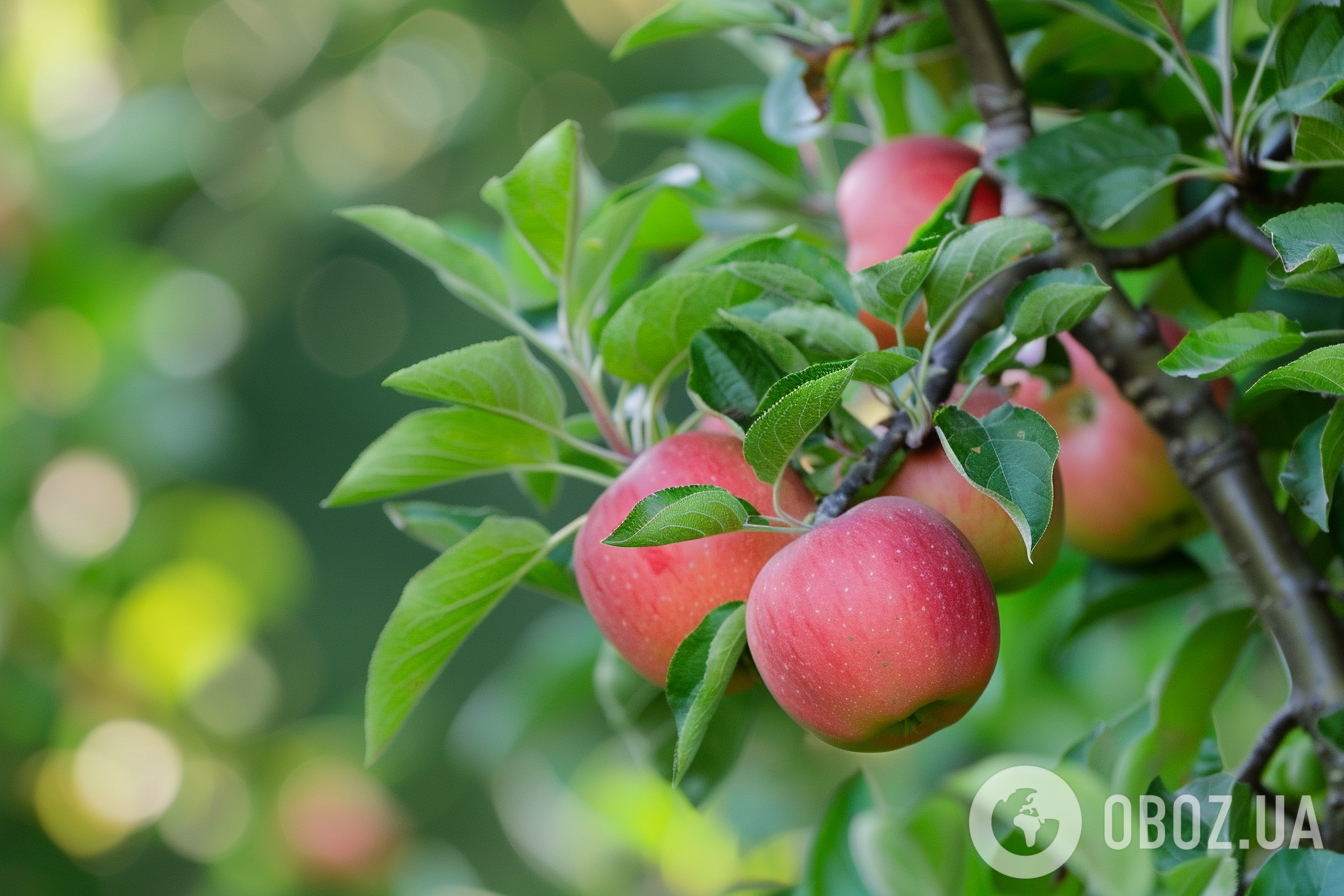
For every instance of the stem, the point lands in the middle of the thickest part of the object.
(601, 411)
(1244, 229)
(583, 473)
(1324, 334)
(1253, 769)
(1245, 118)
(1208, 453)
(1225, 67)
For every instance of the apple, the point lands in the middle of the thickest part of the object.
(875, 629)
(647, 600)
(1123, 501)
(927, 476)
(887, 192)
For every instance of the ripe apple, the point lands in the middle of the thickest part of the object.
(1123, 501)
(927, 476)
(891, 189)
(646, 600)
(876, 629)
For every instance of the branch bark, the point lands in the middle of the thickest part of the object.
(1252, 771)
(1210, 457)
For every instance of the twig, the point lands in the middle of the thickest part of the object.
(979, 314)
(1208, 453)
(1209, 217)
(1253, 769)
(1244, 229)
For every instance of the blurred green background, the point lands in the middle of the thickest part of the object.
(192, 345)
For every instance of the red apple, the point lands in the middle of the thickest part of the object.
(876, 629)
(646, 600)
(1123, 501)
(891, 189)
(927, 476)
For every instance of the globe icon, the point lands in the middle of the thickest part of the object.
(1020, 826)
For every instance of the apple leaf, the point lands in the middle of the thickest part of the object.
(1101, 165)
(466, 271)
(1313, 466)
(682, 513)
(500, 376)
(1109, 589)
(1300, 872)
(1182, 694)
(640, 714)
(1320, 133)
(653, 329)
(440, 606)
(730, 373)
(881, 368)
(792, 408)
(1309, 239)
(948, 218)
(1318, 371)
(1161, 15)
(802, 258)
(699, 674)
(1310, 58)
(821, 332)
(1010, 456)
(539, 198)
(831, 869)
(1233, 344)
(1235, 828)
(690, 17)
(888, 289)
(441, 526)
(1052, 302)
(431, 447)
(1326, 283)
(971, 257)
(1332, 728)
(782, 352)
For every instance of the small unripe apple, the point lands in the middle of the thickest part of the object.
(1123, 501)
(887, 192)
(876, 629)
(927, 476)
(647, 600)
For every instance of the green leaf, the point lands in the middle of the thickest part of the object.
(639, 712)
(1235, 343)
(1010, 456)
(783, 353)
(1182, 695)
(440, 526)
(1309, 239)
(540, 197)
(1318, 371)
(803, 258)
(948, 218)
(792, 408)
(881, 368)
(431, 447)
(1052, 302)
(1101, 165)
(1320, 133)
(1162, 15)
(654, 328)
(1332, 728)
(821, 332)
(689, 17)
(1300, 872)
(681, 513)
(830, 869)
(440, 606)
(789, 115)
(730, 373)
(1235, 827)
(1314, 464)
(863, 15)
(888, 290)
(779, 281)
(699, 675)
(467, 271)
(1310, 58)
(1326, 283)
(1272, 11)
(1108, 589)
(500, 376)
(973, 256)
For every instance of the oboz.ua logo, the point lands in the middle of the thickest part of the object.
(1025, 822)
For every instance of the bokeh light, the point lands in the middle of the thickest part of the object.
(239, 699)
(63, 54)
(337, 820)
(191, 323)
(83, 504)
(65, 816)
(211, 813)
(57, 361)
(127, 772)
(350, 316)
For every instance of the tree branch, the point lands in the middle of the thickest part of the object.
(980, 313)
(1244, 229)
(1206, 450)
(1253, 769)
(1208, 218)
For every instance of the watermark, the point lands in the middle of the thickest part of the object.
(1026, 822)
